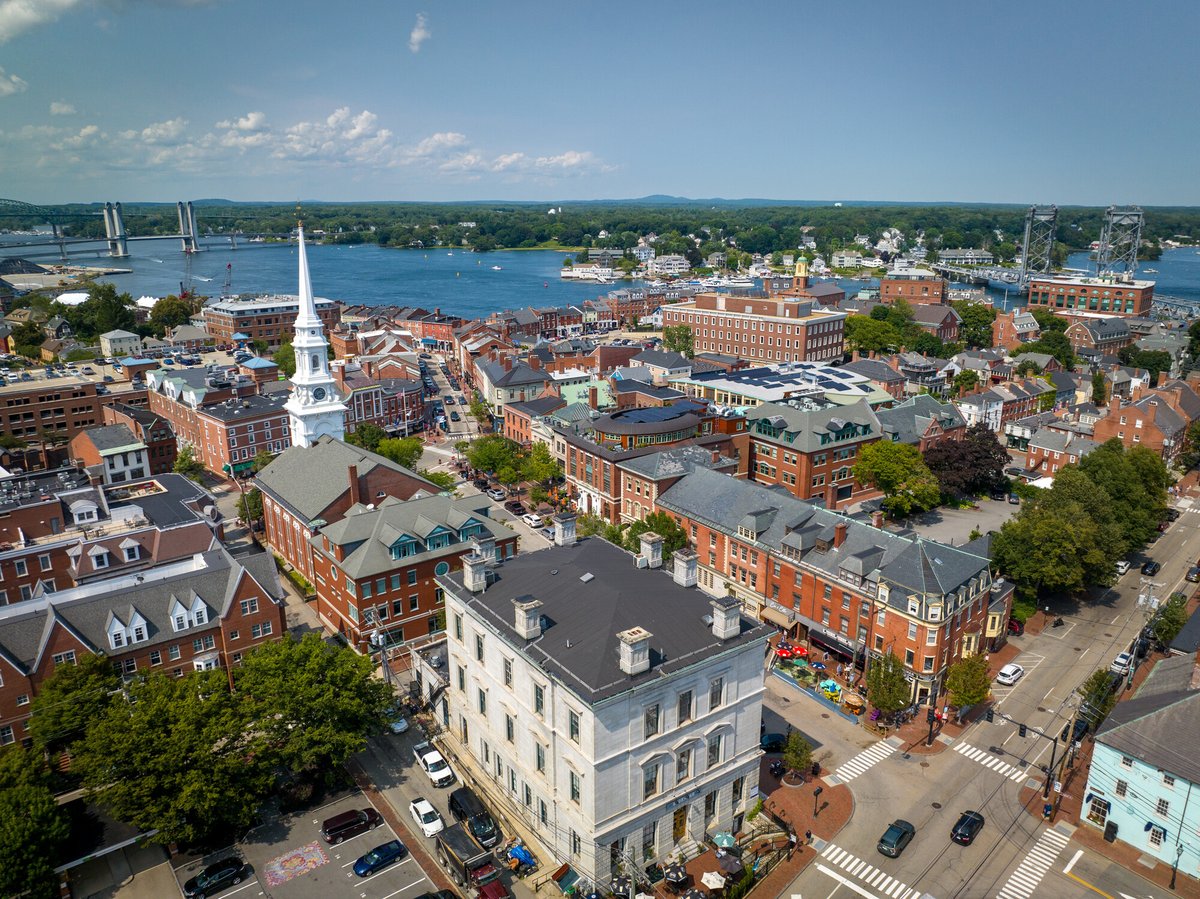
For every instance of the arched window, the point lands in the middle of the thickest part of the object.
(316, 362)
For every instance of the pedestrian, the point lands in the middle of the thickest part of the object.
(791, 842)
(839, 669)
(808, 838)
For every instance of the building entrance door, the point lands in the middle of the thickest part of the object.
(679, 824)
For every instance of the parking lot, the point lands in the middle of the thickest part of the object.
(290, 860)
(954, 526)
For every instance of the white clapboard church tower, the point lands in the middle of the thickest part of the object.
(314, 407)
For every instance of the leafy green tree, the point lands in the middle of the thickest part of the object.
(679, 339)
(887, 687)
(368, 436)
(404, 451)
(493, 452)
(1046, 401)
(1096, 698)
(1049, 548)
(797, 753)
(674, 536)
(179, 757)
(27, 339)
(1053, 343)
(311, 702)
(1047, 320)
(70, 699)
(968, 682)
(1099, 388)
(1073, 490)
(443, 479)
(976, 327)
(250, 505)
(1136, 483)
(33, 827)
(285, 358)
(260, 347)
(869, 335)
(898, 470)
(539, 466)
(170, 312)
(1154, 361)
(9, 442)
(1027, 367)
(966, 380)
(1189, 456)
(187, 464)
(589, 525)
(1170, 618)
(261, 460)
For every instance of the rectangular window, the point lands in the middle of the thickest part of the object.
(412, 577)
(1157, 834)
(478, 648)
(573, 725)
(510, 728)
(685, 707)
(249, 606)
(683, 765)
(650, 719)
(739, 787)
(1163, 807)
(23, 699)
(576, 789)
(1126, 761)
(395, 582)
(61, 658)
(650, 782)
(155, 657)
(543, 816)
(458, 630)
(710, 806)
(414, 603)
(482, 701)
(462, 679)
(576, 844)
(1168, 780)
(908, 657)
(716, 692)
(44, 562)
(539, 700)
(539, 752)
(714, 750)
(173, 652)
(1122, 788)
(367, 593)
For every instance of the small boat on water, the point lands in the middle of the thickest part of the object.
(496, 268)
(1150, 271)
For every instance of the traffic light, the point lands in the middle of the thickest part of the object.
(991, 715)
(1022, 730)
(930, 715)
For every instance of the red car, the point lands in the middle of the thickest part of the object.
(1015, 627)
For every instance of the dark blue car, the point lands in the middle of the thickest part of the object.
(379, 858)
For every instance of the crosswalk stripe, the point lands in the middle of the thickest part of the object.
(864, 760)
(1025, 879)
(873, 877)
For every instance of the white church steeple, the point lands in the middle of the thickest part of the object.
(314, 407)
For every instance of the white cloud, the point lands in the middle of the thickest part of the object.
(572, 159)
(17, 16)
(159, 132)
(57, 107)
(11, 84)
(436, 144)
(251, 121)
(341, 138)
(420, 33)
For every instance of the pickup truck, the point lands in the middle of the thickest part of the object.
(467, 863)
(431, 762)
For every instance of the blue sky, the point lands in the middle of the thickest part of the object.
(1047, 101)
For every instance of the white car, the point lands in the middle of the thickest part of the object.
(1120, 665)
(532, 519)
(497, 494)
(1010, 674)
(426, 817)
(431, 762)
(1122, 567)
(398, 725)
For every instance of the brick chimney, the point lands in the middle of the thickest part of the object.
(355, 487)
(839, 533)
(594, 397)
(877, 519)
(716, 456)
(535, 362)
(854, 357)
(508, 363)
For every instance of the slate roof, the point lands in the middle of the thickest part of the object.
(111, 335)
(112, 437)
(1106, 328)
(661, 359)
(934, 314)
(808, 425)
(674, 462)
(520, 373)
(633, 386)
(579, 646)
(1188, 638)
(308, 480)
(86, 611)
(874, 369)
(908, 422)
(791, 526)
(1160, 729)
(1054, 441)
(368, 534)
(542, 405)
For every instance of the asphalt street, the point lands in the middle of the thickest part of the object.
(1016, 854)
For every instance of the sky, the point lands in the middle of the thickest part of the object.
(1047, 101)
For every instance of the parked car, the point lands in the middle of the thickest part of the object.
(967, 827)
(772, 742)
(898, 835)
(1010, 674)
(1121, 664)
(397, 723)
(1015, 627)
(349, 824)
(1014, 499)
(1151, 568)
(515, 506)
(426, 817)
(438, 770)
(467, 807)
(532, 519)
(454, 416)
(999, 495)
(379, 858)
(1172, 514)
(1193, 574)
(1080, 728)
(216, 877)
(1122, 567)
(497, 494)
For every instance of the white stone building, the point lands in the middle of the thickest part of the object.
(610, 707)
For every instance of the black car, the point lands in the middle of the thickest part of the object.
(1151, 568)
(1080, 729)
(772, 742)
(216, 877)
(967, 828)
(1172, 514)
(898, 835)
(454, 416)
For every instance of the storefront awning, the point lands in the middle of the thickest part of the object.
(828, 640)
(776, 617)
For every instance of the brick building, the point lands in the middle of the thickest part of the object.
(305, 488)
(914, 286)
(1105, 335)
(1010, 329)
(1050, 449)
(1107, 296)
(375, 567)
(266, 318)
(759, 327)
(200, 613)
(519, 417)
(112, 454)
(395, 404)
(848, 587)
(812, 450)
(643, 478)
(152, 429)
(1157, 418)
(922, 421)
(58, 529)
(69, 404)
(942, 321)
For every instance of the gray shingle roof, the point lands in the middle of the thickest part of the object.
(809, 425)
(912, 564)
(542, 405)
(579, 646)
(675, 462)
(310, 479)
(111, 437)
(909, 421)
(661, 359)
(874, 369)
(520, 373)
(368, 534)
(1160, 729)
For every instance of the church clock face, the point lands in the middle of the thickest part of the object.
(318, 394)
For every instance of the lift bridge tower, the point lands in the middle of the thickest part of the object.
(1120, 239)
(1041, 224)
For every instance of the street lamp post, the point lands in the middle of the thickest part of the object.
(931, 717)
(816, 798)
(1050, 770)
